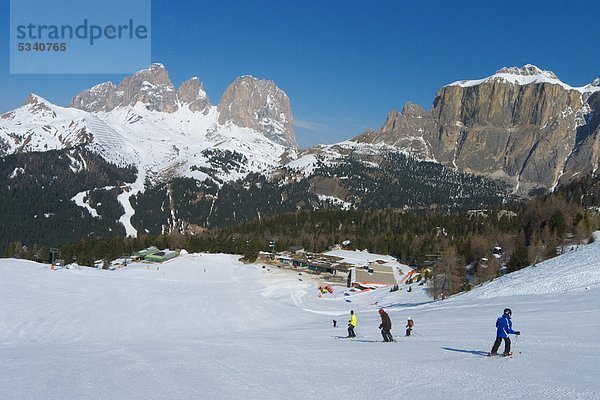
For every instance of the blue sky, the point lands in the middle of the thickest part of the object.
(345, 64)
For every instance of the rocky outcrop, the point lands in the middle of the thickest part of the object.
(248, 102)
(586, 155)
(521, 132)
(152, 87)
(522, 125)
(38, 106)
(404, 130)
(191, 92)
(260, 105)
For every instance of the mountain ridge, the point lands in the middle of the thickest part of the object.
(522, 125)
(199, 165)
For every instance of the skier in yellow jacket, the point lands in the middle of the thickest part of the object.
(352, 324)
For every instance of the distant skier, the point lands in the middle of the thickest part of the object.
(504, 328)
(334, 323)
(409, 326)
(352, 324)
(386, 326)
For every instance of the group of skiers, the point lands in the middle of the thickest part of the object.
(503, 329)
(385, 326)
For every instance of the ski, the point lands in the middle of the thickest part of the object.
(372, 341)
(503, 355)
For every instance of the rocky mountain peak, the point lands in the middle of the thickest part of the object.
(38, 104)
(151, 87)
(33, 98)
(413, 110)
(156, 74)
(260, 105)
(191, 92)
(527, 70)
(596, 82)
(525, 75)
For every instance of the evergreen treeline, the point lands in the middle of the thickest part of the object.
(36, 192)
(437, 237)
(388, 180)
(444, 242)
(36, 205)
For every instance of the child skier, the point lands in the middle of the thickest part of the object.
(351, 324)
(386, 326)
(504, 328)
(409, 326)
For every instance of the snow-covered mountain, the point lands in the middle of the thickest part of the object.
(524, 75)
(162, 132)
(145, 122)
(199, 165)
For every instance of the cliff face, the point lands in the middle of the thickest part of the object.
(586, 155)
(248, 102)
(192, 92)
(406, 130)
(522, 125)
(259, 104)
(523, 133)
(151, 86)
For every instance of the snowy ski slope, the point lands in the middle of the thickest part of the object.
(209, 327)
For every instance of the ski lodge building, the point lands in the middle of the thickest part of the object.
(352, 267)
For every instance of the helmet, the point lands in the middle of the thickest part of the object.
(381, 311)
(508, 311)
(409, 319)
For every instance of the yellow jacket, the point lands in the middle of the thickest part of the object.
(352, 320)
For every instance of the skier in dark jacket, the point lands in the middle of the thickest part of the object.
(409, 326)
(386, 326)
(504, 328)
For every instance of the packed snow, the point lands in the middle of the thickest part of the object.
(208, 326)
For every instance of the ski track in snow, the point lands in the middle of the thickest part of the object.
(78, 199)
(207, 326)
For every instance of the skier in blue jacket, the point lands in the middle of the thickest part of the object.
(504, 328)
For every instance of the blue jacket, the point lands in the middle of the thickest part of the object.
(504, 325)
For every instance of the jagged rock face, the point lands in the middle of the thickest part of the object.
(506, 130)
(260, 105)
(37, 106)
(586, 155)
(192, 92)
(522, 125)
(152, 87)
(404, 130)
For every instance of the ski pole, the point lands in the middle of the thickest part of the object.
(515, 346)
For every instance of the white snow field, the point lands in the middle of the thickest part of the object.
(208, 327)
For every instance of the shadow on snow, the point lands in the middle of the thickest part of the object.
(474, 352)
